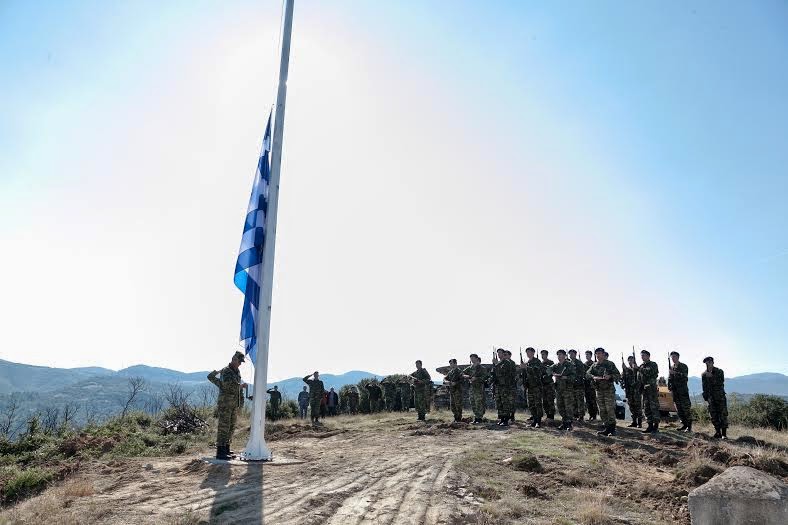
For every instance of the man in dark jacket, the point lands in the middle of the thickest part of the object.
(332, 402)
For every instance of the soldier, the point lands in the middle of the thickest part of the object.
(230, 386)
(504, 376)
(276, 401)
(316, 391)
(508, 355)
(476, 375)
(405, 394)
(421, 383)
(548, 387)
(352, 399)
(649, 373)
(453, 381)
(375, 393)
(590, 390)
(389, 393)
(532, 372)
(713, 380)
(632, 389)
(677, 383)
(564, 375)
(604, 373)
(303, 403)
(579, 386)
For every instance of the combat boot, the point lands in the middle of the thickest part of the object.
(569, 426)
(604, 431)
(611, 431)
(221, 452)
(655, 429)
(724, 433)
(649, 428)
(682, 428)
(640, 422)
(634, 423)
(689, 427)
(538, 423)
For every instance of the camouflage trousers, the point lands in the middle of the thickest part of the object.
(718, 411)
(456, 402)
(478, 402)
(591, 402)
(226, 425)
(681, 398)
(388, 402)
(504, 402)
(548, 399)
(314, 409)
(606, 398)
(580, 400)
(353, 406)
(275, 410)
(565, 397)
(534, 396)
(420, 400)
(635, 403)
(651, 403)
(405, 398)
(374, 404)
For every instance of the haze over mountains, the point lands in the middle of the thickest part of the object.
(102, 392)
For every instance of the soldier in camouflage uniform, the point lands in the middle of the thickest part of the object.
(532, 372)
(374, 394)
(453, 381)
(405, 395)
(649, 374)
(504, 376)
(548, 387)
(422, 383)
(632, 389)
(276, 401)
(713, 380)
(352, 399)
(316, 391)
(476, 375)
(508, 356)
(604, 374)
(591, 402)
(389, 393)
(564, 376)
(677, 383)
(230, 400)
(579, 386)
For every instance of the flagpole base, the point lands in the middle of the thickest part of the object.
(257, 452)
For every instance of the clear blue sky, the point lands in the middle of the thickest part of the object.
(456, 175)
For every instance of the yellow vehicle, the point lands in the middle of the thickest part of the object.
(665, 396)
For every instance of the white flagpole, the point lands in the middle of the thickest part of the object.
(256, 449)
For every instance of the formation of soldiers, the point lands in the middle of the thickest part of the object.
(568, 385)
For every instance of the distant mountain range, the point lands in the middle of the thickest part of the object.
(102, 392)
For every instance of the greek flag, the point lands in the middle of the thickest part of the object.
(249, 266)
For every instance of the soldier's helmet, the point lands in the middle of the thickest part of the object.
(239, 356)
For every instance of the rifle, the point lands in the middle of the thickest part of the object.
(634, 357)
(623, 381)
(521, 355)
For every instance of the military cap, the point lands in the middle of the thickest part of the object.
(706, 360)
(600, 350)
(675, 353)
(646, 352)
(239, 356)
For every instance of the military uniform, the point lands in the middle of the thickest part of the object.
(677, 383)
(352, 399)
(504, 377)
(591, 402)
(405, 395)
(548, 389)
(389, 393)
(276, 401)
(714, 393)
(229, 382)
(477, 375)
(316, 391)
(454, 378)
(533, 371)
(565, 391)
(632, 389)
(422, 384)
(579, 389)
(375, 394)
(648, 374)
(605, 392)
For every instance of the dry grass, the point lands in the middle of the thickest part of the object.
(78, 488)
(595, 509)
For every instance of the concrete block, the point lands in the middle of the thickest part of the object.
(740, 496)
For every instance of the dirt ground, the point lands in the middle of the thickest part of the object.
(390, 469)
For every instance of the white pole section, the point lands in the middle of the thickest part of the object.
(256, 449)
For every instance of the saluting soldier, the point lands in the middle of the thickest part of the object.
(230, 399)
(649, 375)
(564, 375)
(453, 381)
(579, 385)
(633, 389)
(504, 375)
(713, 380)
(421, 383)
(476, 375)
(316, 391)
(604, 374)
(591, 402)
(532, 372)
(276, 401)
(678, 378)
(548, 387)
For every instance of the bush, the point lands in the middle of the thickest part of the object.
(363, 400)
(761, 411)
(20, 484)
(287, 409)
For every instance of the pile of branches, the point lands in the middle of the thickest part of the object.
(181, 420)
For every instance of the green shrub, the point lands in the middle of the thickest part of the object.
(700, 413)
(761, 411)
(20, 484)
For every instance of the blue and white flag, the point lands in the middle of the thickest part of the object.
(249, 266)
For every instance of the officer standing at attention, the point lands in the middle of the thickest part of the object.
(230, 385)
(649, 373)
(677, 383)
(713, 380)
